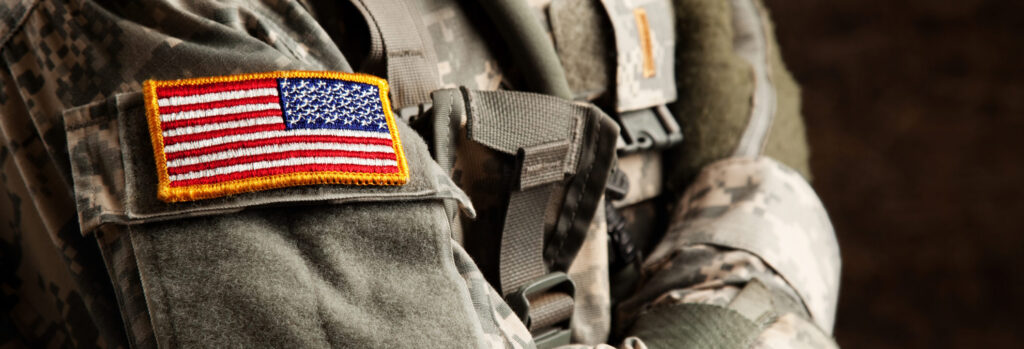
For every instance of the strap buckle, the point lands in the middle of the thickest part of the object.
(652, 128)
(553, 336)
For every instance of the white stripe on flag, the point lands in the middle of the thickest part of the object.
(223, 126)
(202, 113)
(273, 134)
(215, 96)
(278, 148)
(259, 165)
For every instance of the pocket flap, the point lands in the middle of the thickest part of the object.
(115, 176)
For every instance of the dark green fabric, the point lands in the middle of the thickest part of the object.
(714, 87)
(694, 325)
(307, 277)
(525, 37)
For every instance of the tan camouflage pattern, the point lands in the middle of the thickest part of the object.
(793, 332)
(723, 277)
(724, 274)
(50, 291)
(120, 260)
(94, 142)
(700, 274)
(644, 172)
(769, 210)
(454, 34)
(592, 315)
(633, 90)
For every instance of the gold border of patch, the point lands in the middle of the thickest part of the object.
(167, 193)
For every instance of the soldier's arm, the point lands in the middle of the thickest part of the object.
(749, 257)
(99, 260)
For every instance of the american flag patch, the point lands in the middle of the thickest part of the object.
(224, 135)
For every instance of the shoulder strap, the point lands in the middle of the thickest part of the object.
(408, 53)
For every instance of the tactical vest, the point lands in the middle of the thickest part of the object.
(537, 165)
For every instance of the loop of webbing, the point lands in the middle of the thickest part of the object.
(541, 131)
(550, 309)
(522, 239)
(563, 152)
(408, 52)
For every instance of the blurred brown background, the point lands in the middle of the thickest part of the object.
(915, 114)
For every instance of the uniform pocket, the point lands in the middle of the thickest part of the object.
(310, 266)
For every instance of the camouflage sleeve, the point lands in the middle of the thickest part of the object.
(70, 76)
(750, 257)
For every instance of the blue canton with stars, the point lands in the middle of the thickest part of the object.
(314, 103)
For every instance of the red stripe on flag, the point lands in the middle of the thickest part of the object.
(220, 133)
(283, 170)
(219, 104)
(220, 118)
(279, 156)
(275, 140)
(188, 90)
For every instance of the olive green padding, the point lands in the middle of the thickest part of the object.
(694, 325)
(715, 87)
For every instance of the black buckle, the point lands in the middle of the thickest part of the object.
(652, 128)
(519, 301)
(617, 186)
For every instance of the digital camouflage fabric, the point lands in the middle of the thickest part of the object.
(736, 251)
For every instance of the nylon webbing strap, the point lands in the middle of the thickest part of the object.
(542, 132)
(409, 51)
(538, 130)
(549, 309)
(522, 240)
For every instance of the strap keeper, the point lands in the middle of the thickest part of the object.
(542, 164)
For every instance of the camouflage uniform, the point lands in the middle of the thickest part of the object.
(738, 249)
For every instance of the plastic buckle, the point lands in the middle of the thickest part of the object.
(519, 301)
(617, 186)
(652, 128)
